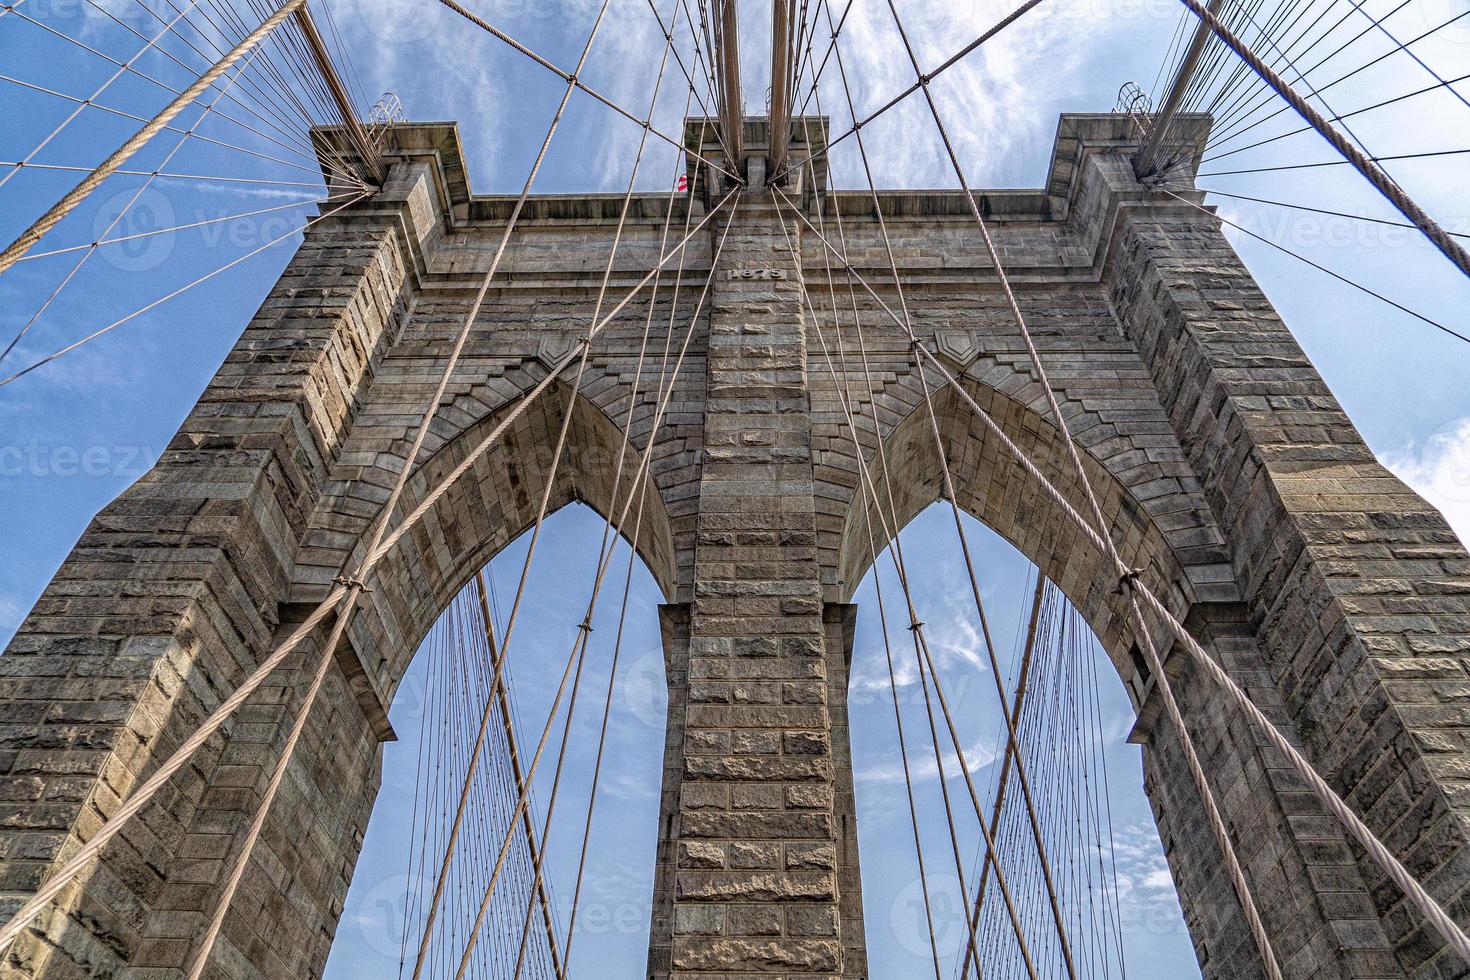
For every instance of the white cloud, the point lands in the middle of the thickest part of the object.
(12, 611)
(923, 768)
(993, 103)
(1438, 468)
(440, 65)
(1144, 878)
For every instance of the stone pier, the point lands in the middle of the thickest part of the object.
(1228, 472)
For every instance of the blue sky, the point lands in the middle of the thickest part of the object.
(76, 432)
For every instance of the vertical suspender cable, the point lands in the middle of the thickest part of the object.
(502, 699)
(1010, 750)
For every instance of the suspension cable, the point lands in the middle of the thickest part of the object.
(949, 489)
(92, 249)
(1364, 164)
(1320, 268)
(1428, 906)
(572, 80)
(1197, 772)
(61, 208)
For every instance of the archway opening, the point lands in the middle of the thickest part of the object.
(436, 713)
(1115, 894)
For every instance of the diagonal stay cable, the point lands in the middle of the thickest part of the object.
(925, 77)
(502, 695)
(166, 175)
(872, 504)
(1264, 70)
(232, 216)
(605, 556)
(950, 490)
(894, 548)
(172, 294)
(1335, 163)
(567, 416)
(280, 117)
(1017, 701)
(1222, 837)
(1231, 132)
(571, 79)
(1333, 214)
(637, 490)
(505, 645)
(1240, 91)
(898, 565)
(113, 110)
(668, 29)
(1141, 629)
(551, 715)
(122, 211)
(1364, 164)
(834, 32)
(334, 597)
(356, 579)
(412, 455)
(303, 147)
(1377, 23)
(667, 381)
(1320, 268)
(1356, 112)
(1428, 906)
(1251, 98)
(122, 154)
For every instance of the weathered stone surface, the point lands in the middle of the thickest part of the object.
(732, 886)
(1227, 471)
(811, 857)
(756, 768)
(747, 855)
(777, 956)
(697, 854)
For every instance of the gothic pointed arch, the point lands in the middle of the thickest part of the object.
(492, 504)
(1158, 520)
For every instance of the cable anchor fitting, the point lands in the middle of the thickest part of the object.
(347, 582)
(1127, 580)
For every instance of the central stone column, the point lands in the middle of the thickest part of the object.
(757, 794)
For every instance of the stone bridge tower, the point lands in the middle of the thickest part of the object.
(1338, 598)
